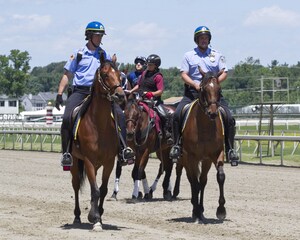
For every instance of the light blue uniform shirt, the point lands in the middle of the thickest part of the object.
(210, 61)
(84, 71)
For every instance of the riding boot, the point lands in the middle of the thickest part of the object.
(66, 159)
(175, 151)
(231, 155)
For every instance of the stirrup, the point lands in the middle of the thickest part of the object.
(175, 153)
(233, 157)
(66, 160)
(127, 156)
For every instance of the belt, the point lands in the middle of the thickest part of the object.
(87, 88)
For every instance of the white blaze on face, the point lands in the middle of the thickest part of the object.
(211, 84)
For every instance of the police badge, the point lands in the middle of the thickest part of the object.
(212, 57)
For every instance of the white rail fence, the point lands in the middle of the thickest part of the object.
(49, 140)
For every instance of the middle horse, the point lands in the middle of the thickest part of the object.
(145, 137)
(203, 144)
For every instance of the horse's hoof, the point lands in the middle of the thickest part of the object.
(168, 196)
(140, 196)
(148, 196)
(77, 221)
(221, 213)
(97, 227)
(113, 197)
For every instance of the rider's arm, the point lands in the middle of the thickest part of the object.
(222, 77)
(187, 80)
(64, 82)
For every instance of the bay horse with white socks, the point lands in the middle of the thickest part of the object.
(203, 145)
(95, 143)
(143, 136)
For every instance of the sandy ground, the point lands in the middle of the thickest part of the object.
(37, 201)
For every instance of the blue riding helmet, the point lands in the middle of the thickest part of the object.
(202, 30)
(94, 28)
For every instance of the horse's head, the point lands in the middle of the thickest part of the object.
(209, 94)
(108, 76)
(132, 116)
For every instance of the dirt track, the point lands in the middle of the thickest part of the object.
(36, 202)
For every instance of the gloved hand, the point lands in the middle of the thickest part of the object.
(58, 101)
(149, 95)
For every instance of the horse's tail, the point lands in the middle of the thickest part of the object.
(81, 172)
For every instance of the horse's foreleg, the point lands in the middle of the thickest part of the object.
(76, 187)
(176, 190)
(167, 186)
(221, 210)
(93, 216)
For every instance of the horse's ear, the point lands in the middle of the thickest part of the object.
(201, 71)
(114, 58)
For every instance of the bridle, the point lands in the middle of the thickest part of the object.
(204, 103)
(102, 77)
(135, 122)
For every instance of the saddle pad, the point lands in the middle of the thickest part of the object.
(153, 115)
(188, 111)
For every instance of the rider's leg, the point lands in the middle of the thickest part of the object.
(229, 124)
(66, 159)
(126, 153)
(166, 122)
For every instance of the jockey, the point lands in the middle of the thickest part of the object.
(207, 59)
(150, 85)
(81, 68)
(133, 76)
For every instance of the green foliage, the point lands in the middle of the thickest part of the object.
(241, 88)
(14, 75)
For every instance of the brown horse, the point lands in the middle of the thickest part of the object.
(203, 144)
(144, 138)
(95, 145)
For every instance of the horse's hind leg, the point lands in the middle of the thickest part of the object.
(221, 210)
(117, 180)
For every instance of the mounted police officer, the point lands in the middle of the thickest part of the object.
(207, 59)
(81, 68)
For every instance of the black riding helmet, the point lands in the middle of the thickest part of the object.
(155, 59)
(140, 59)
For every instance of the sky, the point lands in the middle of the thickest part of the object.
(50, 31)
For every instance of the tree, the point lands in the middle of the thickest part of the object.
(14, 75)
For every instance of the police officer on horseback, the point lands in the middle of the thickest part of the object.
(209, 60)
(150, 85)
(81, 67)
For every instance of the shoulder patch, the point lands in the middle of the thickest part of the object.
(72, 57)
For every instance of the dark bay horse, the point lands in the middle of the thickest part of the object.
(203, 144)
(96, 141)
(143, 137)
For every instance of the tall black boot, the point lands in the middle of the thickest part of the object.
(175, 151)
(66, 159)
(231, 154)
